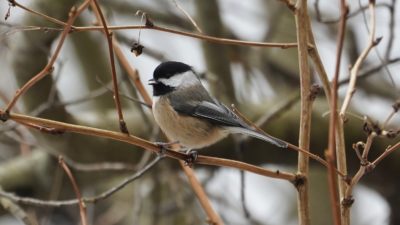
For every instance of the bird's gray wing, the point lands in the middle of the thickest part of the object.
(217, 113)
(209, 109)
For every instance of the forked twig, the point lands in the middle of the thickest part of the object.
(354, 71)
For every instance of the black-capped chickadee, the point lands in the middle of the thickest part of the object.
(186, 112)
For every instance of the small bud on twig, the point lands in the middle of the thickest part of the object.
(137, 49)
(314, 91)
(396, 105)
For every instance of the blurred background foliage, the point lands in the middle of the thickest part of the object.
(262, 82)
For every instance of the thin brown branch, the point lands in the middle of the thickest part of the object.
(354, 71)
(101, 166)
(108, 34)
(289, 145)
(15, 210)
(168, 30)
(136, 141)
(218, 40)
(82, 207)
(330, 153)
(350, 14)
(49, 18)
(365, 166)
(132, 72)
(73, 14)
(198, 189)
(207, 160)
(302, 33)
(391, 35)
(378, 54)
(340, 145)
(386, 153)
(187, 16)
(371, 71)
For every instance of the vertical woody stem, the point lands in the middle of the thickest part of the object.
(302, 28)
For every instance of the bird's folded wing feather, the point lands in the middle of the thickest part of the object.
(214, 112)
(218, 113)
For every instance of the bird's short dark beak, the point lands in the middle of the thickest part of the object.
(152, 82)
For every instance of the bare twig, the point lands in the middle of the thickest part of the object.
(187, 16)
(16, 211)
(387, 152)
(289, 146)
(207, 160)
(371, 71)
(101, 166)
(86, 200)
(330, 153)
(132, 73)
(365, 166)
(49, 18)
(82, 207)
(108, 34)
(350, 14)
(354, 71)
(390, 42)
(302, 33)
(213, 217)
(168, 30)
(391, 35)
(218, 40)
(136, 141)
(74, 13)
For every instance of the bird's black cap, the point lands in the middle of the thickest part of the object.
(169, 69)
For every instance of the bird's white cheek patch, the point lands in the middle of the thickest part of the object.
(184, 79)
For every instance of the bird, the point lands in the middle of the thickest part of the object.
(189, 115)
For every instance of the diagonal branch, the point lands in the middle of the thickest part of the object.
(354, 71)
(73, 14)
(82, 207)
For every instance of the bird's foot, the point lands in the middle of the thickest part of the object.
(191, 157)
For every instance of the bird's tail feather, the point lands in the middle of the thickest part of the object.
(256, 134)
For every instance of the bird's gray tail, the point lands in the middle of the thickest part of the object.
(256, 134)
